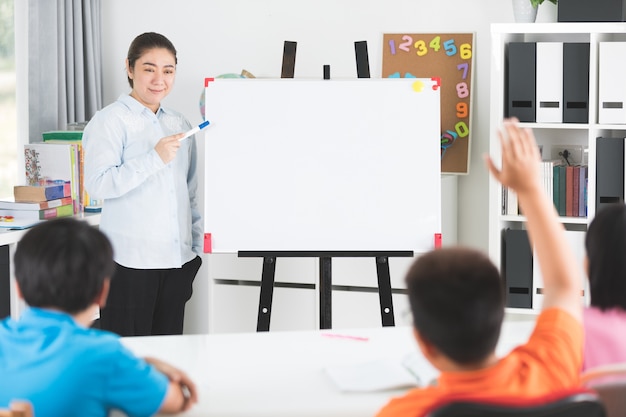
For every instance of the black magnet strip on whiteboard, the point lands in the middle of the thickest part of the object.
(289, 59)
(362, 59)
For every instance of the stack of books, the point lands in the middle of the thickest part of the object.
(73, 139)
(51, 165)
(34, 203)
(44, 162)
(566, 185)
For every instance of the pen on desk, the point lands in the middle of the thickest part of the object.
(345, 336)
(195, 130)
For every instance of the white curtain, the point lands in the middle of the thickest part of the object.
(65, 63)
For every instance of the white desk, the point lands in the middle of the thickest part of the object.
(282, 373)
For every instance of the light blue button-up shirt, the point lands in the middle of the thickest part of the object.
(150, 211)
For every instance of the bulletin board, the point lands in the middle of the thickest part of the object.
(317, 165)
(449, 58)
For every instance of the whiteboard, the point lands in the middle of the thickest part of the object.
(322, 165)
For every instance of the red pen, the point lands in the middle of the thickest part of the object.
(345, 336)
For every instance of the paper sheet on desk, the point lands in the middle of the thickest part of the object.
(377, 375)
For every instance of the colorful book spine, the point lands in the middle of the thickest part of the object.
(582, 200)
(39, 193)
(576, 196)
(556, 187)
(75, 175)
(50, 213)
(569, 191)
(562, 189)
(62, 135)
(14, 205)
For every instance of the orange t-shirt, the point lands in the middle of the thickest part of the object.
(551, 360)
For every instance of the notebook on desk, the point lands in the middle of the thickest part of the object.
(375, 375)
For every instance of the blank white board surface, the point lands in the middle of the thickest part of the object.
(322, 165)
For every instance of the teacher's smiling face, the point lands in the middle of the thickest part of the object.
(152, 77)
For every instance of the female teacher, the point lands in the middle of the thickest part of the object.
(135, 162)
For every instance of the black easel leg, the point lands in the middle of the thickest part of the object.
(325, 293)
(384, 291)
(267, 291)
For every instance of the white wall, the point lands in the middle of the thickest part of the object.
(225, 36)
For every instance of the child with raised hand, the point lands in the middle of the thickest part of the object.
(457, 302)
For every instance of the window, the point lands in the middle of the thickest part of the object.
(8, 110)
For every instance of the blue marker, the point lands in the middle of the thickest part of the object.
(195, 130)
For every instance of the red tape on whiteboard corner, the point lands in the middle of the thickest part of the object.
(207, 81)
(207, 243)
(437, 81)
(438, 240)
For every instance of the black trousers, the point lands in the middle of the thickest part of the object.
(145, 302)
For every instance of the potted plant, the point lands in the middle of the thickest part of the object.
(536, 3)
(525, 11)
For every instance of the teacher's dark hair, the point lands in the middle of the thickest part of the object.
(62, 264)
(145, 42)
(605, 244)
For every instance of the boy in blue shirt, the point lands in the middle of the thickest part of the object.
(50, 356)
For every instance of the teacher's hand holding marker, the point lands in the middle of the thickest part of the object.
(141, 159)
(168, 146)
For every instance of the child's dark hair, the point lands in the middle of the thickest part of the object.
(145, 42)
(605, 244)
(457, 300)
(63, 263)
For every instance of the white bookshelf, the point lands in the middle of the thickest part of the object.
(548, 134)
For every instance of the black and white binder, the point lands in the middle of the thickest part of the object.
(575, 82)
(521, 80)
(518, 268)
(549, 83)
(611, 85)
(609, 171)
